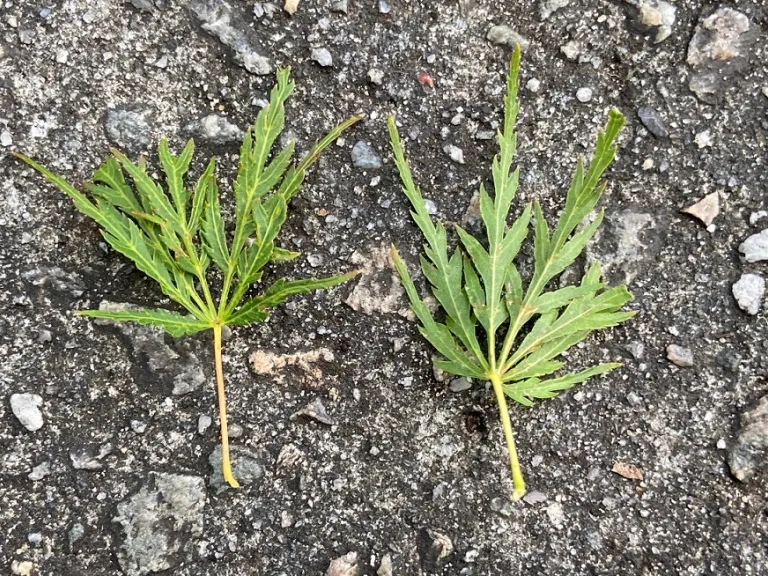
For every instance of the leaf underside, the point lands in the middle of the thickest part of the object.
(174, 231)
(525, 327)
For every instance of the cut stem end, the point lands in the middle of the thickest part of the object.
(517, 475)
(226, 467)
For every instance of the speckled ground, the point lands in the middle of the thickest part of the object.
(407, 465)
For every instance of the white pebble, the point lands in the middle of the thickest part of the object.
(5, 138)
(456, 154)
(26, 408)
(322, 57)
(703, 139)
(749, 292)
(533, 85)
(376, 76)
(584, 94)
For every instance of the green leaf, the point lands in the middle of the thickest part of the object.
(254, 178)
(214, 238)
(283, 255)
(524, 392)
(113, 188)
(151, 193)
(173, 234)
(443, 273)
(255, 309)
(175, 167)
(437, 334)
(202, 192)
(81, 202)
(175, 324)
(484, 286)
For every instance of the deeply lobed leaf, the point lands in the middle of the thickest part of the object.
(483, 287)
(174, 232)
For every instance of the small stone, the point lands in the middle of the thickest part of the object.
(384, 7)
(656, 15)
(61, 56)
(138, 426)
(234, 431)
(571, 50)
(128, 129)
(549, 7)
(637, 349)
(286, 519)
(376, 76)
(289, 456)
(750, 450)
(203, 423)
(584, 94)
(628, 471)
(485, 134)
(343, 566)
(703, 139)
(322, 56)
(680, 356)
(719, 48)
(365, 157)
(652, 121)
(721, 444)
(5, 138)
(339, 6)
(756, 216)
(26, 408)
(84, 459)
(254, 63)
(634, 399)
(385, 568)
(534, 497)
(455, 153)
(471, 555)
(755, 248)
(35, 539)
(315, 260)
(430, 206)
(533, 85)
(460, 384)
(441, 545)
(26, 36)
(190, 378)
(556, 514)
(75, 533)
(749, 292)
(291, 6)
(705, 209)
(216, 129)
(40, 471)
(316, 411)
(503, 35)
(22, 568)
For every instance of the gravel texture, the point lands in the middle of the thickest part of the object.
(404, 468)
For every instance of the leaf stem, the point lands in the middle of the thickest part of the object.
(517, 475)
(225, 464)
